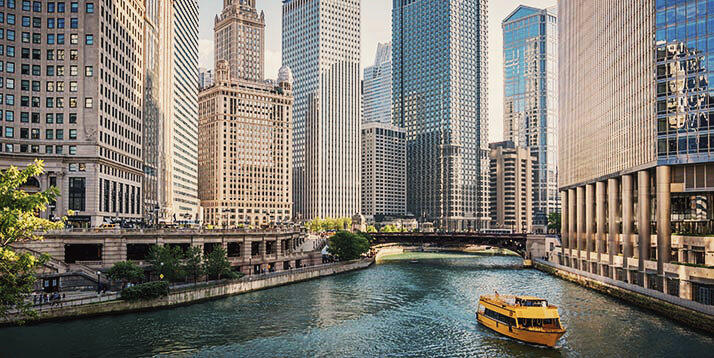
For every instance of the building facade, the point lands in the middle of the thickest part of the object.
(184, 118)
(321, 44)
(530, 52)
(511, 172)
(240, 39)
(440, 76)
(384, 183)
(634, 151)
(73, 96)
(245, 151)
(205, 78)
(377, 87)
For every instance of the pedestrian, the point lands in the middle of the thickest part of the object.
(34, 299)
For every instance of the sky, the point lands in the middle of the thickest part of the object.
(376, 27)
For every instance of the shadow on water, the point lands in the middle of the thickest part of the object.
(395, 309)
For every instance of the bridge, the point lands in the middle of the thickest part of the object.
(513, 242)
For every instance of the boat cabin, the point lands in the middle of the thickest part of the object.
(531, 302)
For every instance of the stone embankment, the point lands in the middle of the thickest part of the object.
(689, 313)
(193, 293)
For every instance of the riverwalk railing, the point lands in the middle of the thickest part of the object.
(692, 305)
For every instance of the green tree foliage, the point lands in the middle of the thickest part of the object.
(146, 291)
(19, 223)
(328, 224)
(216, 264)
(166, 260)
(347, 246)
(193, 265)
(126, 271)
(554, 222)
(389, 228)
(371, 229)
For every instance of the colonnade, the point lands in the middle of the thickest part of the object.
(598, 223)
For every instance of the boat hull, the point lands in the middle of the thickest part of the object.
(541, 338)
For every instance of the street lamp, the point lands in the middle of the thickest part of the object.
(99, 284)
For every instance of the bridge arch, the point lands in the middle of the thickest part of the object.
(512, 242)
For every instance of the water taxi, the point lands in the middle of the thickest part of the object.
(525, 318)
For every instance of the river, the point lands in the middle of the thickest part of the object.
(412, 305)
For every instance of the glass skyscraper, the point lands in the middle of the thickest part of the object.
(440, 98)
(377, 87)
(530, 52)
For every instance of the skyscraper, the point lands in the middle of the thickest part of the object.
(511, 186)
(635, 147)
(74, 98)
(184, 181)
(321, 44)
(530, 52)
(240, 39)
(377, 87)
(440, 97)
(384, 177)
(205, 78)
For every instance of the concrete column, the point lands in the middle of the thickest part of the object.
(613, 190)
(580, 212)
(600, 197)
(589, 220)
(664, 228)
(627, 219)
(643, 219)
(571, 223)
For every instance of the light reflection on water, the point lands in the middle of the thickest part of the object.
(398, 308)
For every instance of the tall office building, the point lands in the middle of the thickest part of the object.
(73, 95)
(634, 141)
(245, 150)
(440, 97)
(184, 118)
(511, 186)
(321, 44)
(530, 52)
(205, 78)
(239, 33)
(384, 177)
(377, 87)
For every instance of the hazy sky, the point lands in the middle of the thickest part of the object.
(376, 27)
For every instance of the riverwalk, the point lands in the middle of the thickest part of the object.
(184, 294)
(687, 312)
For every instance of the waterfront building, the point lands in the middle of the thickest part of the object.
(321, 44)
(384, 182)
(635, 160)
(440, 77)
(205, 78)
(530, 111)
(184, 203)
(240, 39)
(73, 96)
(245, 150)
(377, 87)
(511, 172)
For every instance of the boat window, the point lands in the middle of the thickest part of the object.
(500, 317)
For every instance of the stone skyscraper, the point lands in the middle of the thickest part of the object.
(530, 52)
(440, 97)
(240, 39)
(321, 44)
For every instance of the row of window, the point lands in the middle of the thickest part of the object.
(52, 7)
(34, 148)
(36, 38)
(50, 102)
(52, 22)
(27, 117)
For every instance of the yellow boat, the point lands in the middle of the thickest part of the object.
(525, 318)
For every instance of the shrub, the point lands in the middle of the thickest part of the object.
(146, 291)
(347, 246)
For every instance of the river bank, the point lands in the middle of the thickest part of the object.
(190, 294)
(688, 313)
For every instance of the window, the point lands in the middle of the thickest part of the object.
(89, 8)
(89, 71)
(89, 39)
(76, 193)
(9, 148)
(49, 134)
(73, 70)
(59, 118)
(88, 102)
(24, 133)
(60, 23)
(48, 149)
(74, 23)
(73, 118)
(59, 134)
(73, 86)
(50, 23)
(74, 7)
(50, 54)
(24, 117)
(35, 133)
(9, 132)
(25, 5)
(72, 134)
(60, 7)
(73, 39)
(72, 149)
(49, 118)
(58, 149)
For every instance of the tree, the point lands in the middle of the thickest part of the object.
(389, 228)
(216, 264)
(347, 246)
(126, 271)
(194, 262)
(166, 261)
(19, 223)
(554, 222)
(371, 229)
